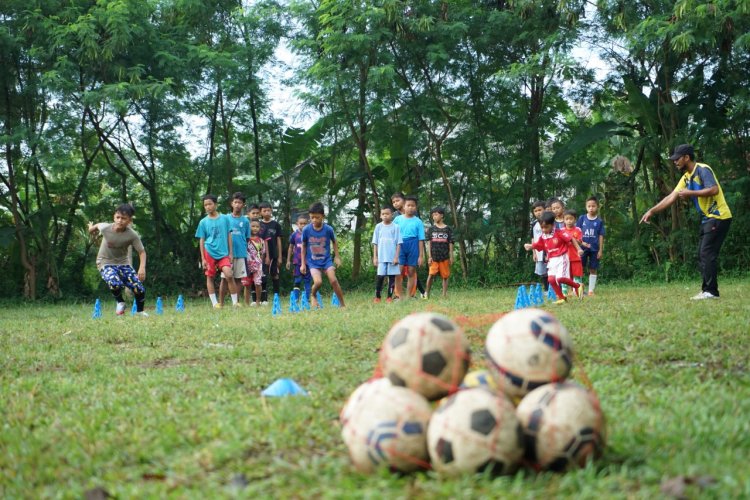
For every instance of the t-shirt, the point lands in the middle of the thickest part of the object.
(555, 244)
(240, 227)
(115, 249)
(574, 233)
(410, 227)
(296, 241)
(440, 239)
(214, 232)
(591, 229)
(318, 244)
(710, 207)
(387, 237)
(269, 231)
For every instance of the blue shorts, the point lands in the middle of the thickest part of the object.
(588, 259)
(409, 255)
(388, 269)
(320, 264)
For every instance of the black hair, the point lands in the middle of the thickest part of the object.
(253, 206)
(317, 208)
(387, 207)
(552, 201)
(438, 210)
(125, 209)
(239, 196)
(254, 219)
(547, 218)
(570, 212)
(593, 198)
(398, 194)
(264, 204)
(537, 204)
(302, 215)
(411, 198)
(211, 197)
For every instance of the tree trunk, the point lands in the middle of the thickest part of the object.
(359, 227)
(256, 139)
(454, 212)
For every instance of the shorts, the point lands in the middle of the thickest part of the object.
(559, 267)
(442, 267)
(322, 265)
(388, 269)
(255, 278)
(576, 268)
(212, 264)
(589, 259)
(409, 255)
(239, 268)
(540, 268)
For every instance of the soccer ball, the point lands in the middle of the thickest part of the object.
(427, 353)
(526, 349)
(385, 425)
(563, 426)
(479, 378)
(475, 430)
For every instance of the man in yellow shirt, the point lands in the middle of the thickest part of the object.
(699, 183)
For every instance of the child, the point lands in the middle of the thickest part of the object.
(540, 259)
(576, 269)
(555, 243)
(256, 254)
(398, 200)
(113, 260)
(270, 230)
(216, 249)
(386, 242)
(317, 239)
(412, 248)
(240, 228)
(558, 208)
(440, 249)
(592, 227)
(253, 212)
(294, 256)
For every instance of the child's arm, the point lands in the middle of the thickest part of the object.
(303, 259)
(289, 252)
(278, 248)
(93, 228)
(337, 257)
(450, 251)
(420, 261)
(204, 264)
(231, 253)
(375, 254)
(578, 248)
(601, 247)
(142, 265)
(398, 252)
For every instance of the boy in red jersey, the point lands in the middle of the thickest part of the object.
(576, 267)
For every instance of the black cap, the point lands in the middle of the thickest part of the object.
(682, 150)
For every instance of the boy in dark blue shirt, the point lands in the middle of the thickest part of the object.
(317, 239)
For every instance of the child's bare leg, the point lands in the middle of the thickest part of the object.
(445, 287)
(317, 277)
(258, 292)
(331, 273)
(397, 286)
(246, 294)
(411, 283)
(210, 285)
(222, 289)
(428, 285)
(229, 278)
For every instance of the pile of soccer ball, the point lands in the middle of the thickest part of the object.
(389, 421)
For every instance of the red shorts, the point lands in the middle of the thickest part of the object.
(576, 269)
(212, 264)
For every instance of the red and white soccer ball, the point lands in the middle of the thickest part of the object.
(475, 430)
(426, 352)
(386, 426)
(563, 426)
(526, 349)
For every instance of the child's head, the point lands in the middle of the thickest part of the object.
(410, 205)
(253, 211)
(254, 227)
(301, 221)
(437, 214)
(557, 207)
(317, 214)
(570, 216)
(266, 212)
(123, 215)
(547, 222)
(537, 209)
(397, 200)
(592, 206)
(386, 214)
(238, 203)
(209, 203)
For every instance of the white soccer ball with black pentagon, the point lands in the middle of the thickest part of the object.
(563, 426)
(384, 425)
(475, 430)
(528, 348)
(426, 352)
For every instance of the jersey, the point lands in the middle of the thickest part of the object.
(440, 239)
(410, 227)
(269, 231)
(710, 207)
(115, 249)
(295, 240)
(387, 237)
(591, 229)
(574, 233)
(318, 245)
(555, 244)
(215, 234)
(240, 227)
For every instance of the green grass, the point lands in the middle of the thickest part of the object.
(170, 405)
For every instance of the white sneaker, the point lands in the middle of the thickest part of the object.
(253, 304)
(704, 295)
(142, 314)
(264, 303)
(120, 309)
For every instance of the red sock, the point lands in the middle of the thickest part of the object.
(569, 282)
(555, 286)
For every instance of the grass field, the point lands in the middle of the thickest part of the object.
(170, 405)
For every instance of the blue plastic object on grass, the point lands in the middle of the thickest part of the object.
(276, 309)
(159, 306)
(134, 309)
(97, 310)
(284, 387)
(522, 298)
(335, 301)
(180, 305)
(551, 294)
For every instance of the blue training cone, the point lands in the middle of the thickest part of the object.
(97, 310)
(159, 306)
(276, 309)
(522, 298)
(284, 387)
(294, 301)
(180, 305)
(304, 303)
(134, 309)
(335, 301)
(551, 294)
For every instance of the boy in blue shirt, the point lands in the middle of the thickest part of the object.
(386, 240)
(240, 227)
(216, 249)
(294, 256)
(592, 227)
(317, 239)
(412, 246)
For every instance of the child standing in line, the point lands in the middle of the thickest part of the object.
(439, 249)
(240, 228)
(592, 227)
(576, 268)
(294, 256)
(558, 208)
(317, 239)
(412, 246)
(216, 249)
(386, 242)
(256, 254)
(270, 230)
(555, 243)
(397, 201)
(114, 262)
(540, 259)
(253, 212)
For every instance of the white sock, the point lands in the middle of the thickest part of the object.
(212, 296)
(234, 298)
(592, 282)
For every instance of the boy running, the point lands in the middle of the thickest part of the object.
(317, 239)
(215, 236)
(294, 256)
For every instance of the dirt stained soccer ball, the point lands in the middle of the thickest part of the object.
(563, 426)
(426, 352)
(385, 425)
(526, 349)
(475, 430)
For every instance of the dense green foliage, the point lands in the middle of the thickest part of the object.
(170, 406)
(478, 106)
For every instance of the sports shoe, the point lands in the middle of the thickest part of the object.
(120, 309)
(237, 305)
(423, 295)
(218, 306)
(579, 292)
(253, 304)
(264, 303)
(376, 301)
(559, 302)
(142, 314)
(704, 295)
